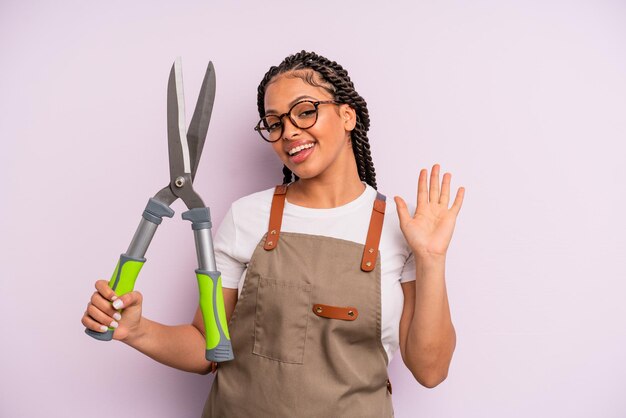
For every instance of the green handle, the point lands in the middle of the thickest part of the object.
(122, 281)
(218, 345)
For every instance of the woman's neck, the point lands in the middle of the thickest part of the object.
(325, 193)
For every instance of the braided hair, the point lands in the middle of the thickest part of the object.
(335, 80)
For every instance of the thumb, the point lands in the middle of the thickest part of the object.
(402, 209)
(128, 299)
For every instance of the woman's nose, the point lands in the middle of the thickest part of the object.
(289, 128)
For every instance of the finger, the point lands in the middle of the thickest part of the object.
(422, 190)
(100, 317)
(127, 300)
(102, 286)
(444, 199)
(102, 304)
(458, 201)
(434, 184)
(92, 324)
(403, 212)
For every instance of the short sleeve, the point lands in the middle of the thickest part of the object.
(408, 271)
(225, 244)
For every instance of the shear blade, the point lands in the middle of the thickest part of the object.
(201, 117)
(176, 125)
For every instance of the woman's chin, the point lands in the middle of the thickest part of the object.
(303, 174)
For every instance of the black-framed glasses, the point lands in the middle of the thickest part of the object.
(303, 115)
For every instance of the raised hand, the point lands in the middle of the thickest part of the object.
(429, 231)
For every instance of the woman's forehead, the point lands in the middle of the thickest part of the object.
(283, 90)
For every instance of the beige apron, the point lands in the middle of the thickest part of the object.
(306, 330)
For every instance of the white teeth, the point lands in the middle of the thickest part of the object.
(300, 148)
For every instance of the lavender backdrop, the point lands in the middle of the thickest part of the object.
(523, 101)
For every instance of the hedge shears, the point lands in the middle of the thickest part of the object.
(185, 148)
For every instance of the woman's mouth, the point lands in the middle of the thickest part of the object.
(301, 153)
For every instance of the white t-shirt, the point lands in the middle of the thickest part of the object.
(247, 221)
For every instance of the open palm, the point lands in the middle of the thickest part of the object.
(429, 231)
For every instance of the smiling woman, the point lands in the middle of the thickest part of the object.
(327, 289)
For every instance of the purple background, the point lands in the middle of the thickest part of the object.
(524, 102)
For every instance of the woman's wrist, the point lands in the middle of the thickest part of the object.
(425, 258)
(138, 333)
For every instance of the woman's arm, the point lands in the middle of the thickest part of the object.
(427, 336)
(181, 346)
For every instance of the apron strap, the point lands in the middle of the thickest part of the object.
(276, 217)
(370, 252)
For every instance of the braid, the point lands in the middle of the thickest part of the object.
(335, 80)
(287, 173)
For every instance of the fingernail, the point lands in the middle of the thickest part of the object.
(117, 316)
(103, 328)
(118, 304)
(114, 324)
(114, 297)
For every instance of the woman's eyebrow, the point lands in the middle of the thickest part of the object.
(297, 99)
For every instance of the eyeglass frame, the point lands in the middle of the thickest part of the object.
(315, 103)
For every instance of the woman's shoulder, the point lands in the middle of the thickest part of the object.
(254, 207)
(255, 200)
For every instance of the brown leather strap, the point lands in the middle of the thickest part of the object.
(370, 252)
(276, 217)
(347, 313)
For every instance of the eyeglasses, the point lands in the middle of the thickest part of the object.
(303, 115)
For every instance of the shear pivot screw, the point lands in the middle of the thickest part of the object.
(179, 182)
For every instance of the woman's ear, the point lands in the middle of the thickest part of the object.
(348, 116)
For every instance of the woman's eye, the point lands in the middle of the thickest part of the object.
(271, 123)
(273, 126)
(307, 113)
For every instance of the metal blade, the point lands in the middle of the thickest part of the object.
(176, 125)
(166, 196)
(201, 118)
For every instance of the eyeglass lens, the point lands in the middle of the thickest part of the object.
(303, 115)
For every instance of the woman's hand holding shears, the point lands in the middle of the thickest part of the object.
(102, 310)
(429, 231)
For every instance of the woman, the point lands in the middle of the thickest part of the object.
(326, 287)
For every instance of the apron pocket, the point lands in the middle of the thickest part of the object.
(280, 322)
